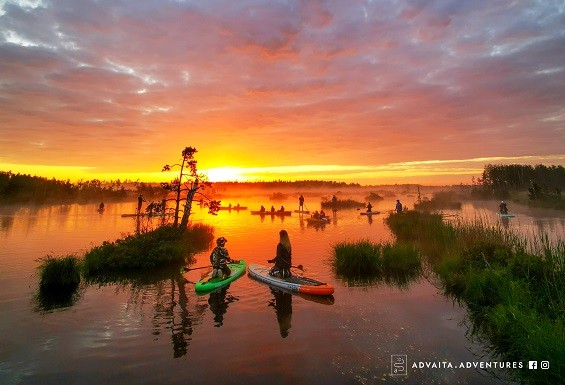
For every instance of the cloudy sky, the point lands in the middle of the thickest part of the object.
(381, 91)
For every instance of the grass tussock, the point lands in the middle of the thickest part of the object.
(165, 245)
(516, 297)
(59, 274)
(343, 204)
(368, 262)
(59, 283)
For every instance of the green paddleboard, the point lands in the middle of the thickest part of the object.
(207, 284)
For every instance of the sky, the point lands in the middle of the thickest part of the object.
(372, 92)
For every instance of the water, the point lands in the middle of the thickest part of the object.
(160, 331)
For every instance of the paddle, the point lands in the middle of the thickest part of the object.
(299, 267)
(184, 269)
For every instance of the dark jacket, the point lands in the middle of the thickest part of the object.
(283, 259)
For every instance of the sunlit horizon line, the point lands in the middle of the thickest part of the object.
(301, 172)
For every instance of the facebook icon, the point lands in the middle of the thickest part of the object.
(533, 364)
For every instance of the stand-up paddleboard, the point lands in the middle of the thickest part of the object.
(302, 211)
(272, 213)
(207, 283)
(293, 283)
(317, 221)
(369, 212)
(144, 215)
(506, 215)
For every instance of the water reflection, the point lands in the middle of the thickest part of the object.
(172, 309)
(401, 280)
(219, 301)
(282, 303)
(46, 302)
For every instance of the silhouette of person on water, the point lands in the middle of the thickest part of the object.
(219, 258)
(219, 305)
(503, 208)
(283, 259)
(369, 207)
(140, 201)
(398, 206)
(262, 209)
(101, 207)
(282, 303)
(301, 203)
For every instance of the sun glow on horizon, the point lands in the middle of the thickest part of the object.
(425, 171)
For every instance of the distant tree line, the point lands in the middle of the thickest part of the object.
(24, 188)
(519, 177)
(298, 185)
(541, 182)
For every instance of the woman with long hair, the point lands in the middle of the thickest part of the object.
(283, 260)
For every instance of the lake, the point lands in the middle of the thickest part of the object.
(159, 331)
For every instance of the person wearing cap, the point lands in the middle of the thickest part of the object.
(283, 259)
(219, 258)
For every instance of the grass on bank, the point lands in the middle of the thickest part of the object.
(162, 246)
(59, 278)
(515, 298)
(342, 204)
(367, 262)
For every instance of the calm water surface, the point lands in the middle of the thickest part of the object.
(159, 331)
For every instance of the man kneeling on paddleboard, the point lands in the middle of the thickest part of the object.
(220, 259)
(283, 260)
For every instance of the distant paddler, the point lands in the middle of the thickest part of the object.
(301, 202)
(398, 206)
(140, 201)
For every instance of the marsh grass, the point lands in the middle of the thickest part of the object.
(59, 282)
(343, 204)
(59, 274)
(365, 262)
(513, 287)
(162, 246)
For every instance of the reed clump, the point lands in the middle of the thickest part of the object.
(515, 297)
(59, 282)
(369, 262)
(59, 274)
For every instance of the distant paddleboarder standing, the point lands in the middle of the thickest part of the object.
(140, 201)
(301, 202)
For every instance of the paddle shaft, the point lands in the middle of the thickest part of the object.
(198, 268)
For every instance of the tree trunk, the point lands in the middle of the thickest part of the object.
(188, 205)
